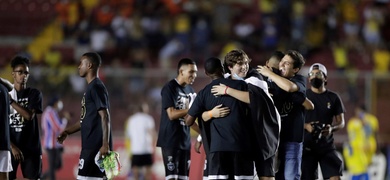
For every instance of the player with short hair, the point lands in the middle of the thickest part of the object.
(227, 139)
(26, 103)
(95, 123)
(174, 136)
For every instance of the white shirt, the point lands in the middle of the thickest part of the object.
(139, 128)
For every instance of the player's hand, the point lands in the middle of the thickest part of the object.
(17, 153)
(264, 70)
(197, 146)
(219, 111)
(309, 126)
(104, 150)
(219, 89)
(327, 130)
(62, 137)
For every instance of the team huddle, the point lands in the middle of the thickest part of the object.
(251, 122)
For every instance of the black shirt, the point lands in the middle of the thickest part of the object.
(230, 133)
(291, 110)
(4, 121)
(25, 133)
(327, 105)
(95, 98)
(174, 133)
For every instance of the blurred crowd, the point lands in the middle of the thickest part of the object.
(150, 36)
(153, 33)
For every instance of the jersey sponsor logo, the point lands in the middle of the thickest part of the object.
(16, 120)
(83, 108)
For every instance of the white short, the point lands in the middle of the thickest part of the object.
(5, 161)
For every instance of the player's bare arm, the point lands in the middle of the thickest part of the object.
(338, 123)
(175, 114)
(216, 112)
(105, 117)
(280, 81)
(24, 112)
(308, 104)
(222, 89)
(68, 131)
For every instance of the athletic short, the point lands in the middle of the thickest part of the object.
(265, 168)
(5, 161)
(87, 166)
(176, 163)
(31, 166)
(205, 170)
(141, 160)
(230, 165)
(331, 164)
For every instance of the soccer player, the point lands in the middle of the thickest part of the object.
(289, 95)
(26, 103)
(174, 136)
(227, 139)
(95, 123)
(5, 146)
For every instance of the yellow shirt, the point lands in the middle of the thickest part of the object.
(371, 127)
(354, 153)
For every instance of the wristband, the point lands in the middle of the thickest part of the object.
(226, 89)
(210, 114)
(199, 138)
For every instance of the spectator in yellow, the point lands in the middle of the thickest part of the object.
(354, 151)
(371, 127)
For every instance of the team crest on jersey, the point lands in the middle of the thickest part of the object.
(170, 165)
(328, 105)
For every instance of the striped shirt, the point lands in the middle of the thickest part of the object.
(52, 126)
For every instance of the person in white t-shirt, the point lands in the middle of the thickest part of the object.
(141, 132)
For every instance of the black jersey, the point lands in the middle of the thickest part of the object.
(95, 98)
(174, 133)
(291, 110)
(327, 105)
(25, 133)
(4, 121)
(230, 133)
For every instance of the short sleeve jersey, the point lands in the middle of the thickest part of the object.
(230, 133)
(327, 105)
(95, 98)
(4, 121)
(25, 133)
(291, 110)
(174, 133)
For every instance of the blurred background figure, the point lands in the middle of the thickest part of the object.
(52, 125)
(354, 151)
(141, 133)
(371, 128)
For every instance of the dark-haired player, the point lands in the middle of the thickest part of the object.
(227, 139)
(26, 103)
(174, 136)
(94, 124)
